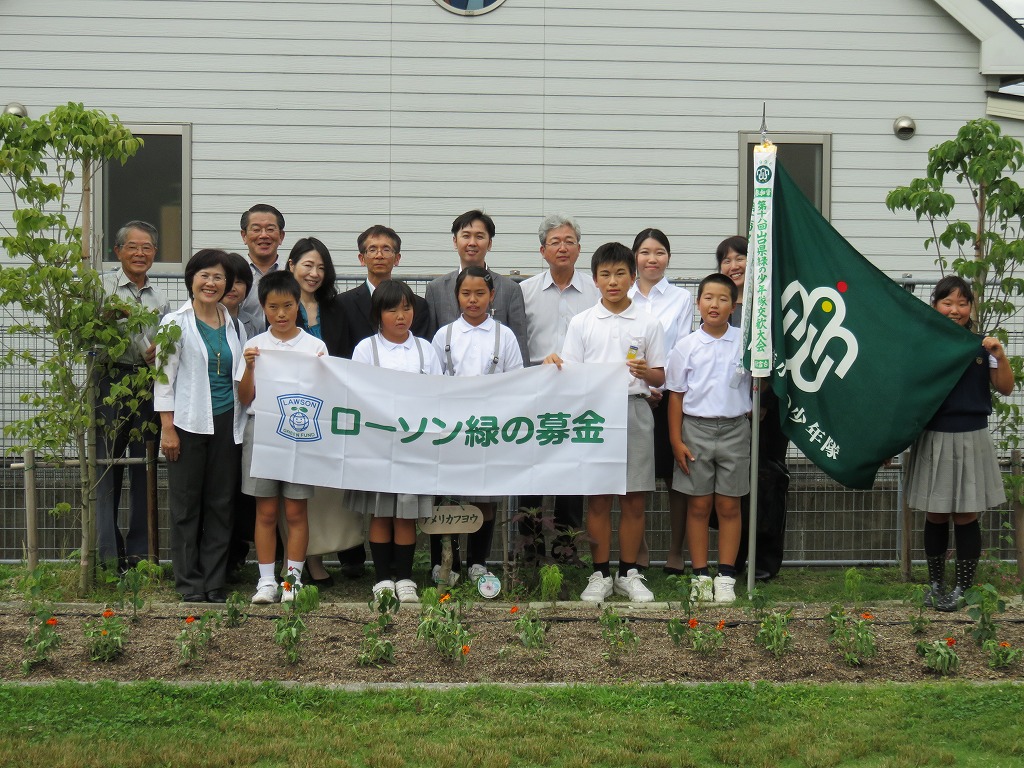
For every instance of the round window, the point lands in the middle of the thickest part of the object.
(469, 7)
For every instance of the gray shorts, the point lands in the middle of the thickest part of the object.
(261, 487)
(639, 446)
(721, 450)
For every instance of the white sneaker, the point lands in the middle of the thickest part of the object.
(435, 575)
(380, 586)
(266, 593)
(477, 572)
(405, 590)
(632, 586)
(701, 590)
(725, 589)
(598, 588)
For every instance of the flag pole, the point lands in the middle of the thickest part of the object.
(757, 317)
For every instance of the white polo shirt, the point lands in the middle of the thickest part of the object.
(473, 348)
(598, 335)
(704, 368)
(672, 305)
(398, 357)
(303, 342)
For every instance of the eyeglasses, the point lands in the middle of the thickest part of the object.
(216, 279)
(256, 229)
(375, 250)
(568, 243)
(145, 249)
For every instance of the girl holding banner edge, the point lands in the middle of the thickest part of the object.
(475, 344)
(394, 515)
(953, 470)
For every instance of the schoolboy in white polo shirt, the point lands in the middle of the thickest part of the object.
(709, 429)
(614, 330)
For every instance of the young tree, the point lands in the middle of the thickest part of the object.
(986, 248)
(53, 295)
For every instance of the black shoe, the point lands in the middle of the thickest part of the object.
(762, 575)
(326, 581)
(352, 570)
(673, 571)
(194, 597)
(217, 596)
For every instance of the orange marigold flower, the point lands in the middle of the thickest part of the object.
(465, 650)
(950, 641)
(1004, 644)
(107, 613)
(867, 616)
(693, 623)
(514, 609)
(721, 625)
(286, 586)
(190, 619)
(103, 632)
(444, 598)
(52, 621)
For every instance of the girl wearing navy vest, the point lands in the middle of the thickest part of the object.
(953, 470)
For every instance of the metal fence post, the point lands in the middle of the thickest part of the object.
(906, 519)
(1018, 512)
(152, 508)
(31, 510)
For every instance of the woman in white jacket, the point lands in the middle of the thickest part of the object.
(201, 424)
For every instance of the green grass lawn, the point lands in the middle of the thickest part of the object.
(153, 724)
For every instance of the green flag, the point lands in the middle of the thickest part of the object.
(866, 364)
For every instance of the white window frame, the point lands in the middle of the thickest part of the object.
(160, 129)
(746, 138)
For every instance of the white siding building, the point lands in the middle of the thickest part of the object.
(346, 113)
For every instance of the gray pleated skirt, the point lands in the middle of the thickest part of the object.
(404, 506)
(954, 472)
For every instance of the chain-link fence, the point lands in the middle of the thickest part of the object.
(827, 523)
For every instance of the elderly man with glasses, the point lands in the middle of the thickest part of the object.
(123, 430)
(553, 297)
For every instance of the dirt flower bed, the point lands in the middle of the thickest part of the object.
(573, 654)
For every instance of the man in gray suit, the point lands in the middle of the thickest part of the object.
(473, 235)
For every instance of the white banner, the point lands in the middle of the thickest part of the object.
(331, 422)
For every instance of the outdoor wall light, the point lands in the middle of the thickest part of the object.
(15, 108)
(904, 128)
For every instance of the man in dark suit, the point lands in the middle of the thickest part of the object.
(473, 235)
(380, 250)
(348, 322)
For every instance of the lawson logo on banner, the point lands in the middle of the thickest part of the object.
(330, 422)
(299, 418)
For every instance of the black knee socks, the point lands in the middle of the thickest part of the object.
(383, 554)
(936, 538)
(403, 556)
(968, 541)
